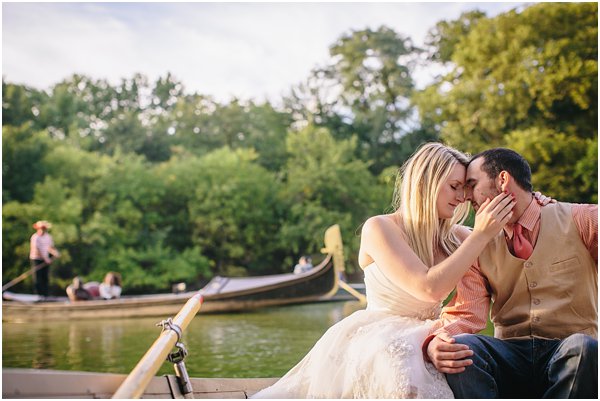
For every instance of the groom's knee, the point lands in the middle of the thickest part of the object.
(573, 369)
(580, 344)
(578, 352)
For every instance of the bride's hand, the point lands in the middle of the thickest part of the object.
(542, 199)
(493, 215)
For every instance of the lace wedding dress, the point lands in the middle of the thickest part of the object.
(373, 353)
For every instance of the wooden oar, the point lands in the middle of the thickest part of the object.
(353, 292)
(23, 276)
(139, 378)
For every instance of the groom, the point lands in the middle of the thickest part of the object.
(541, 273)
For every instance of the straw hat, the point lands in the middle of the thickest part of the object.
(43, 224)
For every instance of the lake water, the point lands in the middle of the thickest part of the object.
(264, 343)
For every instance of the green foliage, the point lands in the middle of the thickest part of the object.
(533, 73)
(546, 150)
(374, 69)
(444, 37)
(326, 183)
(20, 105)
(234, 211)
(365, 91)
(145, 269)
(586, 170)
(22, 152)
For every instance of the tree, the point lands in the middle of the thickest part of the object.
(325, 184)
(23, 149)
(235, 212)
(443, 39)
(520, 73)
(317, 101)
(546, 151)
(21, 104)
(201, 125)
(374, 69)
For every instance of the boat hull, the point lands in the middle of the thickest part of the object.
(36, 383)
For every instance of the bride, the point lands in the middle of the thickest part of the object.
(412, 259)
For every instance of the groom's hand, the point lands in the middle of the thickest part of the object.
(447, 356)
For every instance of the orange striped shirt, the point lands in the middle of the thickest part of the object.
(468, 310)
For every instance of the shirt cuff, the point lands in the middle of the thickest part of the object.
(425, 345)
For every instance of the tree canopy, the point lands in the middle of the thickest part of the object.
(526, 80)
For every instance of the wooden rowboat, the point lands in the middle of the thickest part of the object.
(38, 383)
(222, 294)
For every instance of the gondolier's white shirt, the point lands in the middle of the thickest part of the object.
(40, 245)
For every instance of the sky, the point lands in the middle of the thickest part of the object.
(245, 50)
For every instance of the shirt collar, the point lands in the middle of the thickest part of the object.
(528, 219)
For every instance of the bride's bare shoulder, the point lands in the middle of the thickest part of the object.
(380, 222)
(383, 224)
(374, 231)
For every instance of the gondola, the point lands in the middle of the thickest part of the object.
(221, 294)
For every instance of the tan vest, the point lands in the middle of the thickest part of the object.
(554, 293)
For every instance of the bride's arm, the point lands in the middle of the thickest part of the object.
(383, 241)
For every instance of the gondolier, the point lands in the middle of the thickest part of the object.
(41, 254)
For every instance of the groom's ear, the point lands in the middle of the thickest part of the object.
(504, 180)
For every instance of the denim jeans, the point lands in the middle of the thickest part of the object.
(529, 368)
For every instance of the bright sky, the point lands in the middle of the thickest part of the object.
(248, 50)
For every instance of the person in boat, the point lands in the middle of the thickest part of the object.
(541, 273)
(304, 264)
(412, 259)
(110, 288)
(41, 255)
(78, 291)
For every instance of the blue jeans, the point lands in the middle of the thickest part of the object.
(530, 368)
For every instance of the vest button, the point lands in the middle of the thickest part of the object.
(533, 285)
(536, 301)
(528, 264)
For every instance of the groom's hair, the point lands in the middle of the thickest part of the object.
(502, 159)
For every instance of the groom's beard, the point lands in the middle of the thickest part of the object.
(491, 193)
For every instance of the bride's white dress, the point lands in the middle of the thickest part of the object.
(373, 353)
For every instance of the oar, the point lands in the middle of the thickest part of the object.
(352, 291)
(23, 276)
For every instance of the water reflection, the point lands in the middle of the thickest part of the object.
(43, 356)
(111, 338)
(264, 343)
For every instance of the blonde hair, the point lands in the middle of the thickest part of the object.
(416, 192)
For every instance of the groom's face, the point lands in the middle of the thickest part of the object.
(479, 186)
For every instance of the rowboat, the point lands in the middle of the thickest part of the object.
(221, 294)
(42, 383)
